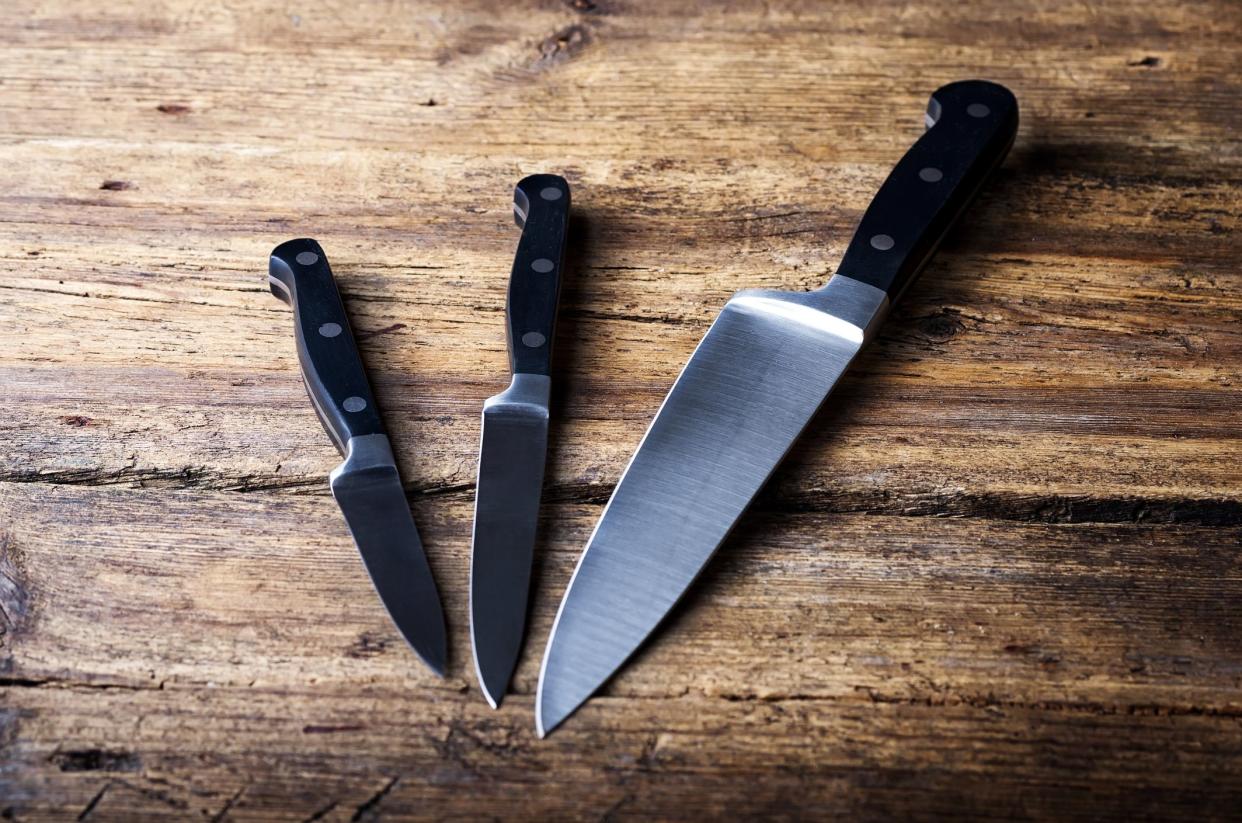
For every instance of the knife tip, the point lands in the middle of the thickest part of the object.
(543, 729)
(545, 724)
(437, 662)
(493, 688)
(494, 702)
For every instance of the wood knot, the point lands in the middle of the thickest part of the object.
(565, 44)
(940, 327)
(14, 591)
(96, 760)
(366, 646)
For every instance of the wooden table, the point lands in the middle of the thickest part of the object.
(1000, 576)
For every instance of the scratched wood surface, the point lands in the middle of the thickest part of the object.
(1000, 576)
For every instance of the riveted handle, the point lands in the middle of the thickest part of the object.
(298, 274)
(541, 210)
(970, 126)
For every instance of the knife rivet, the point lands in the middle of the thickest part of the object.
(930, 175)
(307, 258)
(354, 404)
(551, 193)
(882, 242)
(533, 339)
(543, 265)
(329, 330)
(978, 110)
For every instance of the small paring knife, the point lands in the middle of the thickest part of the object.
(514, 438)
(366, 486)
(763, 369)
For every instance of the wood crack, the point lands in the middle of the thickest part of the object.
(10, 682)
(370, 805)
(220, 816)
(1060, 509)
(94, 801)
(321, 812)
(1005, 506)
(1068, 706)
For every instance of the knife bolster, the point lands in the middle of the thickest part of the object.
(368, 451)
(525, 390)
(845, 308)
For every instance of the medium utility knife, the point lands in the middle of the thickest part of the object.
(366, 486)
(763, 369)
(515, 438)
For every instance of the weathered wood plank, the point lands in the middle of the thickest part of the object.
(998, 577)
(268, 591)
(817, 640)
(334, 755)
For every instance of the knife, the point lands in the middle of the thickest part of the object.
(366, 486)
(755, 380)
(515, 437)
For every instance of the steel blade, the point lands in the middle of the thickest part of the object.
(753, 383)
(368, 490)
(506, 516)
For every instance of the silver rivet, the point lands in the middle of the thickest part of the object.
(329, 330)
(533, 339)
(354, 404)
(930, 175)
(543, 265)
(307, 258)
(882, 242)
(978, 110)
(551, 193)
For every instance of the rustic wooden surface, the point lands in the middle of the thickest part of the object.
(1000, 576)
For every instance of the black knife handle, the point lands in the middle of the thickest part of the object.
(541, 210)
(970, 127)
(298, 274)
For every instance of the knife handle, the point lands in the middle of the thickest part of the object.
(541, 211)
(298, 274)
(970, 126)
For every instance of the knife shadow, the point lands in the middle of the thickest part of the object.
(568, 361)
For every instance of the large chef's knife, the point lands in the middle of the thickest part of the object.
(366, 486)
(515, 438)
(753, 383)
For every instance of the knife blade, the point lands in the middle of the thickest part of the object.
(758, 376)
(366, 485)
(514, 439)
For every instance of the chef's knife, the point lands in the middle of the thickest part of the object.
(366, 486)
(755, 380)
(515, 437)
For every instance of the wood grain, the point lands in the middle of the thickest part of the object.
(999, 577)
